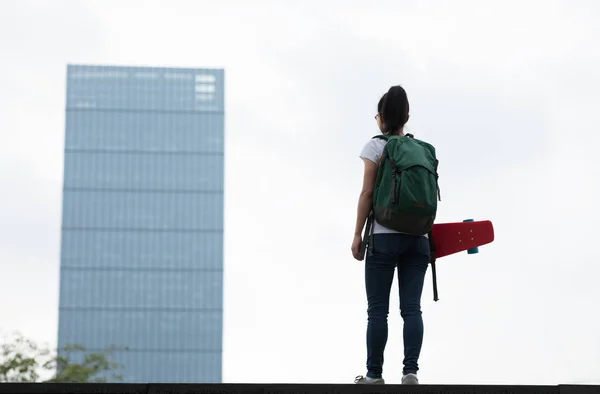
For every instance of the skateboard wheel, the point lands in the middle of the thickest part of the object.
(474, 250)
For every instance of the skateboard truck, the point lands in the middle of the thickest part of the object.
(475, 249)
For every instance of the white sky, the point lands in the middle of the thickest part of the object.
(508, 92)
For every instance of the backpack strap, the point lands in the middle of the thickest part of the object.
(437, 162)
(380, 137)
(432, 262)
(385, 137)
(368, 237)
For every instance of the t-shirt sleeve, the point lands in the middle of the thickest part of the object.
(371, 151)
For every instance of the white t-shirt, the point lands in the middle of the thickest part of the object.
(372, 151)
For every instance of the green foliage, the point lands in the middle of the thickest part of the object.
(22, 360)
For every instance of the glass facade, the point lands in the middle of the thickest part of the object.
(142, 221)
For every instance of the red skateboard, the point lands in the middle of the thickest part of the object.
(450, 238)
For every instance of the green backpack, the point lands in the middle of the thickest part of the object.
(406, 191)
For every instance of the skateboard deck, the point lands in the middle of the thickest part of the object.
(450, 238)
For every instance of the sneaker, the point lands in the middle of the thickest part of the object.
(367, 380)
(410, 378)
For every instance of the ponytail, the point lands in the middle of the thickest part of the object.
(394, 109)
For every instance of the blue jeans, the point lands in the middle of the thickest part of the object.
(411, 255)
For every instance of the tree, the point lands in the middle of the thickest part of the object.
(22, 360)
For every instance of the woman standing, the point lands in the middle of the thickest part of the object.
(390, 250)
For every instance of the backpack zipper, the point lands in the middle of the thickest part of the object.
(395, 194)
(395, 173)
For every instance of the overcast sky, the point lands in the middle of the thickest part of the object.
(507, 91)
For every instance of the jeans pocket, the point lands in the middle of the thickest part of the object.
(383, 247)
(423, 246)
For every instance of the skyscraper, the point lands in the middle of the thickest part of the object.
(142, 220)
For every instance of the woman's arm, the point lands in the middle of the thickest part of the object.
(365, 200)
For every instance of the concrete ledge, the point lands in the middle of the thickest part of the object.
(45, 388)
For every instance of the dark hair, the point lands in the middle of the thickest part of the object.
(393, 108)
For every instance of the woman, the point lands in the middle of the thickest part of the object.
(390, 249)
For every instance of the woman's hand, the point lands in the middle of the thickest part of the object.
(357, 251)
